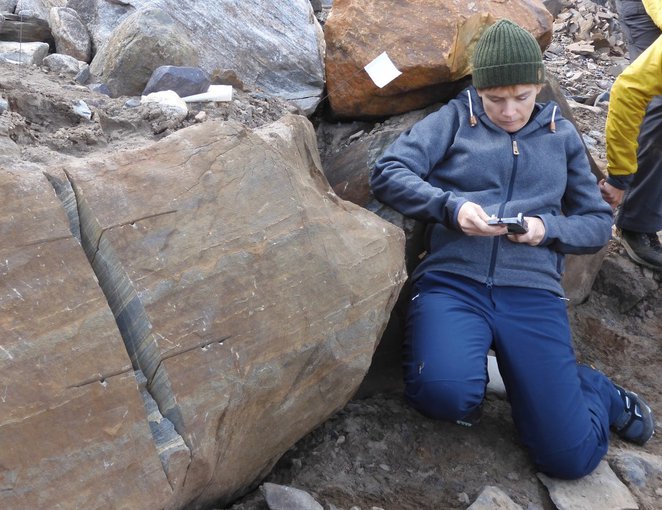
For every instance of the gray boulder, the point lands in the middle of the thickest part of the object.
(71, 36)
(186, 81)
(277, 51)
(65, 64)
(146, 40)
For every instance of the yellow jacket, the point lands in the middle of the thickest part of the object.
(654, 10)
(629, 97)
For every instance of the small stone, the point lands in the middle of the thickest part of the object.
(282, 497)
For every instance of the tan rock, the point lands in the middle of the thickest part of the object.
(493, 498)
(250, 296)
(601, 490)
(73, 432)
(429, 41)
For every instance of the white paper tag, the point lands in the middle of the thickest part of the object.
(382, 71)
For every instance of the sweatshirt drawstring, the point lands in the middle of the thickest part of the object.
(552, 125)
(472, 117)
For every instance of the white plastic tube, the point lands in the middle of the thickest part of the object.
(496, 382)
(214, 93)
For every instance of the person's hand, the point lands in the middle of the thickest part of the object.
(473, 221)
(612, 195)
(534, 235)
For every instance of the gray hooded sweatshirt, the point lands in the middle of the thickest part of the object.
(542, 170)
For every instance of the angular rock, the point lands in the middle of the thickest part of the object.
(24, 28)
(249, 295)
(625, 282)
(601, 490)
(65, 64)
(71, 36)
(185, 81)
(38, 8)
(641, 471)
(350, 151)
(493, 498)
(436, 50)
(72, 428)
(281, 497)
(146, 40)
(31, 53)
(637, 469)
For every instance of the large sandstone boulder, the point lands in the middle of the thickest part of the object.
(248, 294)
(73, 432)
(429, 41)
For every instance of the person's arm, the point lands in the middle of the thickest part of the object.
(629, 97)
(585, 225)
(399, 178)
(654, 10)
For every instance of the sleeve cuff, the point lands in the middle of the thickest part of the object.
(620, 181)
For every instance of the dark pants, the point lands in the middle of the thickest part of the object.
(641, 210)
(562, 410)
(638, 28)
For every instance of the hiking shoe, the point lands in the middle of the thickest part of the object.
(643, 248)
(636, 424)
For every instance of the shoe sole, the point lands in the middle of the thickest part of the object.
(636, 258)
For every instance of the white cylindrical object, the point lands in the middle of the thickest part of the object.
(496, 382)
(214, 93)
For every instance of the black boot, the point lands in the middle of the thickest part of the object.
(643, 248)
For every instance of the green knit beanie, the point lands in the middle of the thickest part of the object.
(506, 54)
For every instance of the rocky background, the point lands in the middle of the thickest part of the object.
(193, 374)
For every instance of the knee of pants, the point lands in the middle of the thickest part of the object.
(445, 400)
(573, 463)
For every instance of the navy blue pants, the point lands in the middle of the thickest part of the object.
(562, 410)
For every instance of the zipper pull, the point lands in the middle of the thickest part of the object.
(489, 283)
(515, 149)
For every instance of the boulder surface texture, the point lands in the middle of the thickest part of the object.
(247, 300)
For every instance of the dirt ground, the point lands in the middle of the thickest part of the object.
(376, 452)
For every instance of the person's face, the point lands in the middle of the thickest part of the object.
(510, 107)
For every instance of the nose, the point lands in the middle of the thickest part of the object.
(508, 109)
